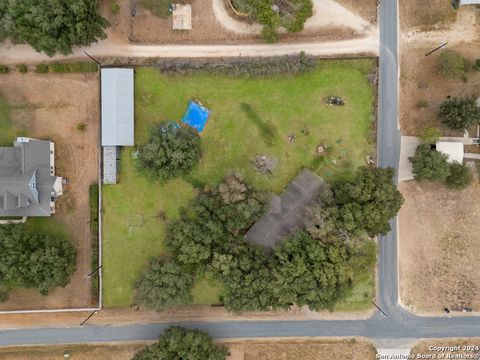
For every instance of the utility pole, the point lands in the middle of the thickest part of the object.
(91, 57)
(88, 318)
(438, 48)
(378, 308)
(93, 272)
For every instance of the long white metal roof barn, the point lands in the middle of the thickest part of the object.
(117, 107)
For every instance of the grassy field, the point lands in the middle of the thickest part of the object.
(249, 117)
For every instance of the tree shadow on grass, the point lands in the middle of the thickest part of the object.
(268, 131)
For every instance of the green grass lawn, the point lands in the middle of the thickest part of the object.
(249, 117)
(8, 130)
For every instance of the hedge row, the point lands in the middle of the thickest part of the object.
(93, 202)
(78, 67)
(241, 66)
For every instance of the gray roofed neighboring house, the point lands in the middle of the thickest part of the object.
(117, 107)
(286, 212)
(28, 185)
(469, 2)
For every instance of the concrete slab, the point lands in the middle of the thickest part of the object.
(408, 144)
(182, 17)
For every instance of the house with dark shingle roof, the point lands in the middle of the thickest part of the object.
(286, 212)
(28, 184)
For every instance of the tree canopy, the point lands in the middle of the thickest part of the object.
(314, 267)
(52, 26)
(163, 285)
(34, 260)
(272, 14)
(177, 343)
(460, 176)
(367, 201)
(429, 164)
(460, 114)
(220, 215)
(171, 151)
(311, 273)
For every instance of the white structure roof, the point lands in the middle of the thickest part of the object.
(469, 2)
(454, 150)
(117, 107)
(182, 17)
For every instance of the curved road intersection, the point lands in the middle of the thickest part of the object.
(397, 328)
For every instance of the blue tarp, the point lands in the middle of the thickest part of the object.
(196, 116)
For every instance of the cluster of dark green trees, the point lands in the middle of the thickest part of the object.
(460, 113)
(171, 151)
(314, 266)
(272, 14)
(431, 165)
(177, 343)
(52, 26)
(34, 260)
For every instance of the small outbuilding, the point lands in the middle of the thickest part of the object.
(117, 107)
(117, 117)
(469, 2)
(454, 150)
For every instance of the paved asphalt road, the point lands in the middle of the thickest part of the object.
(397, 328)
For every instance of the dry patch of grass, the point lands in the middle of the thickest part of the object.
(439, 247)
(307, 349)
(365, 8)
(426, 14)
(77, 352)
(347, 349)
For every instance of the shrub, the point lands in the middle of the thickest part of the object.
(476, 65)
(429, 164)
(171, 151)
(460, 176)
(115, 8)
(81, 126)
(3, 295)
(160, 8)
(93, 202)
(22, 68)
(4, 69)
(58, 68)
(290, 14)
(84, 66)
(78, 67)
(41, 68)
(429, 136)
(452, 64)
(460, 114)
(422, 104)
